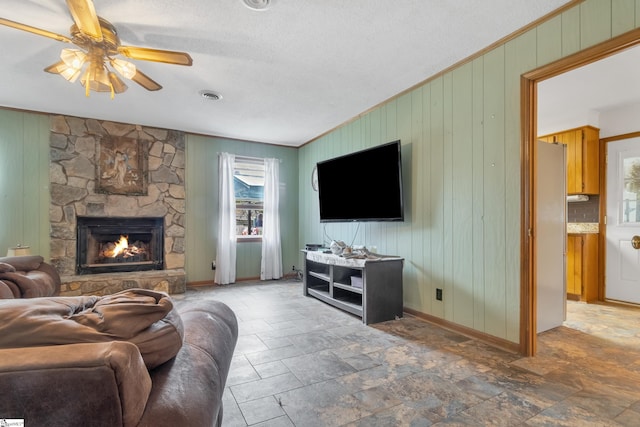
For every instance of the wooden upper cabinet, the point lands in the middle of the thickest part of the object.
(583, 158)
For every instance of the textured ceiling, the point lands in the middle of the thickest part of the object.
(581, 96)
(287, 74)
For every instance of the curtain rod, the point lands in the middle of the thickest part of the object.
(250, 158)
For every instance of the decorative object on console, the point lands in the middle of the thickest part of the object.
(337, 247)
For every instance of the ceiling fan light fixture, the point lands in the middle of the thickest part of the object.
(74, 58)
(96, 78)
(259, 5)
(68, 73)
(116, 83)
(125, 68)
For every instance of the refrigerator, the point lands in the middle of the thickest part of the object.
(551, 235)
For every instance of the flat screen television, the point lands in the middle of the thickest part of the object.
(362, 186)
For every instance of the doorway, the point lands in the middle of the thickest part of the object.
(529, 83)
(622, 276)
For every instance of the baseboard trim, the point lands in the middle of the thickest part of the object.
(201, 283)
(468, 332)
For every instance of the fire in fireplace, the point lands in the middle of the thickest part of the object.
(117, 244)
(122, 251)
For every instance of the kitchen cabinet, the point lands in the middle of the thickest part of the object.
(583, 158)
(582, 267)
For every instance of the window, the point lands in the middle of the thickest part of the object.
(249, 191)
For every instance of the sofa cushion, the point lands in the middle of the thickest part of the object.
(143, 317)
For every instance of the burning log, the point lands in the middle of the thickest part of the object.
(122, 251)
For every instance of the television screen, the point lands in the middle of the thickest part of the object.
(362, 186)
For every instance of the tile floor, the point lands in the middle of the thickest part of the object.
(300, 362)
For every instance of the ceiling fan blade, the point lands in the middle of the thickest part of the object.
(85, 17)
(34, 30)
(145, 81)
(156, 55)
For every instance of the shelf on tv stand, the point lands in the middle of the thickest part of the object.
(328, 278)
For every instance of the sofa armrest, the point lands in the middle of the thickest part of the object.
(97, 384)
(29, 276)
(50, 271)
(188, 389)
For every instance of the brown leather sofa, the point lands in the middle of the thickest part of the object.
(27, 277)
(134, 358)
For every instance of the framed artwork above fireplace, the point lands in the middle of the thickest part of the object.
(121, 166)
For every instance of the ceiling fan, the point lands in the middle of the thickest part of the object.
(99, 47)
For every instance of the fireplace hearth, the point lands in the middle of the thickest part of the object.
(119, 244)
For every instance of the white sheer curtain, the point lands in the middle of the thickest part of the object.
(271, 263)
(226, 248)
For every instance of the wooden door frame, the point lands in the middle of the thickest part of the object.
(528, 161)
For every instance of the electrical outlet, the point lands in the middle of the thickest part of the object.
(439, 294)
(213, 265)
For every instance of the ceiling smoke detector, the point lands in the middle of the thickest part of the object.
(257, 4)
(211, 96)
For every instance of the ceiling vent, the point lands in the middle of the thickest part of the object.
(211, 96)
(257, 4)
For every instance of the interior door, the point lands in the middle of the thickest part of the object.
(623, 221)
(551, 235)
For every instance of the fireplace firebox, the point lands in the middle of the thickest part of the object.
(119, 244)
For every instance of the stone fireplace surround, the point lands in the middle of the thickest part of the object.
(72, 174)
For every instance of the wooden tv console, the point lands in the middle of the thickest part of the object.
(369, 288)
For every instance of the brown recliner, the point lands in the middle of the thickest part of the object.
(27, 277)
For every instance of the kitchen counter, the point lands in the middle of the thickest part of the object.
(583, 228)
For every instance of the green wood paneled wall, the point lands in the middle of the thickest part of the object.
(202, 206)
(24, 181)
(461, 138)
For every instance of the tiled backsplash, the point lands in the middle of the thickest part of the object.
(584, 211)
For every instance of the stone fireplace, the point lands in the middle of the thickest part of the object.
(79, 201)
